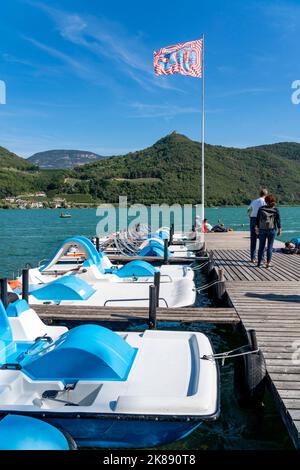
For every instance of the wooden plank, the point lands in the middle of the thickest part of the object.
(87, 313)
(157, 259)
(269, 302)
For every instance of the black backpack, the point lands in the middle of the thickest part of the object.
(267, 219)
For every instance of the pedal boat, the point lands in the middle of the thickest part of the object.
(95, 281)
(106, 389)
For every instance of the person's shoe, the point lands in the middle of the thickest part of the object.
(269, 265)
(258, 265)
(253, 261)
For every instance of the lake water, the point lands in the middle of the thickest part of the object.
(28, 236)
(32, 235)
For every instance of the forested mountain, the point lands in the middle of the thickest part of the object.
(168, 171)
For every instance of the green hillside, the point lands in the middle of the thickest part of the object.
(11, 160)
(166, 172)
(233, 176)
(16, 174)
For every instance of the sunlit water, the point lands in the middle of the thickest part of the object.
(33, 235)
(28, 236)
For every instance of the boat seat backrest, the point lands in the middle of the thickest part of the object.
(5, 329)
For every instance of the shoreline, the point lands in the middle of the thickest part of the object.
(103, 204)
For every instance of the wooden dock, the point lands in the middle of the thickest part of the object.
(66, 313)
(267, 300)
(158, 260)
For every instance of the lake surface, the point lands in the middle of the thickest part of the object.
(33, 235)
(28, 236)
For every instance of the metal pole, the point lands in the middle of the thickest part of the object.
(152, 307)
(97, 244)
(25, 284)
(157, 286)
(210, 261)
(3, 286)
(202, 138)
(171, 234)
(166, 249)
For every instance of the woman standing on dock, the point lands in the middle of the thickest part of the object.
(267, 222)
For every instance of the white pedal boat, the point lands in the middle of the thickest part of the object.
(74, 251)
(95, 281)
(106, 389)
(140, 245)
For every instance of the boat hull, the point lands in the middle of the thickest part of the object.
(125, 433)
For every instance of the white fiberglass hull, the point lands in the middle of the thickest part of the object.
(134, 294)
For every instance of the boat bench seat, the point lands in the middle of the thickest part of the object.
(159, 404)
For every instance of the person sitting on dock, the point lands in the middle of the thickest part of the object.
(221, 228)
(206, 227)
(267, 222)
(292, 247)
(252, 212)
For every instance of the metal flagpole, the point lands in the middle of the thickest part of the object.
(202, 138)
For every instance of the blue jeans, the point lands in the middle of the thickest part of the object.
(253, 238)
(266, 236)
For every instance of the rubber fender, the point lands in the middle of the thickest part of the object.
(249, 378)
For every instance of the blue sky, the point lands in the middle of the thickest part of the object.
(79, 73)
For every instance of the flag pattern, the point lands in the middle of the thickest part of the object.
(184, 58)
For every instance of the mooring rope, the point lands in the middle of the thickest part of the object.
(199, 266)
(206, 286)
(228, 355)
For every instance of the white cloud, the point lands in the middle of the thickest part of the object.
(76, 65)
(109, 42)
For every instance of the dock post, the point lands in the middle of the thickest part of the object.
(157, 286)
(253, 339)
(3, 287)
(25, 284)
(171, 234)
(152, 307)
(97, 244)
(221, 284)
(166, 249)
(210, 261)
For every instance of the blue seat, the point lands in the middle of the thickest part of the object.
(87, 352)
(137, 268)
(154, 248)
(5, 329)
(65, 288)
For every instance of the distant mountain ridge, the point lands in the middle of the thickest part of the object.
(57, 159)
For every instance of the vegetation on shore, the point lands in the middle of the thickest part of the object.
(167, 172)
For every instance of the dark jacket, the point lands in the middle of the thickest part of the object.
(269, 210)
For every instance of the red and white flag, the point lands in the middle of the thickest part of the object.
(184, 58)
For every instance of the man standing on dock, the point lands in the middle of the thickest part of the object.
(255, 205)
